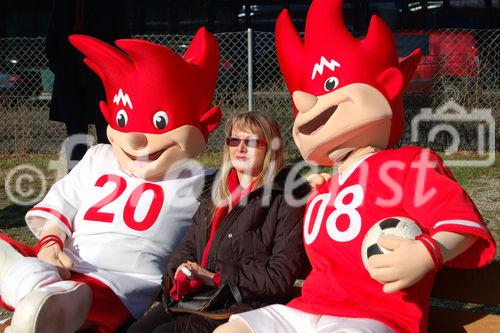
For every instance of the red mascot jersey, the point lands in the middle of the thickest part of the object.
(408, 182)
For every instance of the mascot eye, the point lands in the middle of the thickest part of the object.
(331, 83)
(121, 118)
(160, 120)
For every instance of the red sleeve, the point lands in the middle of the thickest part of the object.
(433, 198)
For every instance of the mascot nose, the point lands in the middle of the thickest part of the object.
(304, 101)
(137, 140)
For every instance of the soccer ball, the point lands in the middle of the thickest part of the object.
(393, 226)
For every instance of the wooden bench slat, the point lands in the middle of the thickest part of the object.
(481, 286)
(456, 321)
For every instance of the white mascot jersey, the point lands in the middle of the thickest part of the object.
(121, 229)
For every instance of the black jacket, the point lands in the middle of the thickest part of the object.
(258, 247)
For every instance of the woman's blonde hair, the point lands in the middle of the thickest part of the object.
(267, 129)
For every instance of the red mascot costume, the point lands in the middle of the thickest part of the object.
(347, 95)
(107, 229)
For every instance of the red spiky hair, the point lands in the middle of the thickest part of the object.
(149, 78)
(362, 61)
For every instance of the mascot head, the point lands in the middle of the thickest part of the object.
(347, 93)
(158, 104)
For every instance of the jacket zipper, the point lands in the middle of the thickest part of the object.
(220, 233)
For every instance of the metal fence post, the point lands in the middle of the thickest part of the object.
(250, 68)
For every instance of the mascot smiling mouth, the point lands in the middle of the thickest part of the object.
(150, 157)
(317, 123)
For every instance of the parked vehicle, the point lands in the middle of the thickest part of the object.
(448, 58)
(24, 75)
(18, 82)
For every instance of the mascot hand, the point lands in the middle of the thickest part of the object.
(316, 179)
(406, 264)
(52, 254)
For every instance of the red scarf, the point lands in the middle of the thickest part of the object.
(237, 192)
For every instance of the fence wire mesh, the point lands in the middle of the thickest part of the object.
(458, 65)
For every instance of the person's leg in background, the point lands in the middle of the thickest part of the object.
(92, 94)
(75, 144)
(101, 127)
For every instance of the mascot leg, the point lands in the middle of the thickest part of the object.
(59, 307)
(107, 313)
(234, 326)
(42, 302)
(8, 256)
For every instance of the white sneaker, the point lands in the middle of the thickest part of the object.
(61, 307)
(8, 256)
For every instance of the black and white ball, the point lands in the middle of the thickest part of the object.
(393, 226)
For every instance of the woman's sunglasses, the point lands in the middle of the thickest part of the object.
(249, 142)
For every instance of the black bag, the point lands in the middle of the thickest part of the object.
(211, 303)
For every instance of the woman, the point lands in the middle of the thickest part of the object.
(244, 233)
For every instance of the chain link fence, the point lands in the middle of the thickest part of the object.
(457, 65)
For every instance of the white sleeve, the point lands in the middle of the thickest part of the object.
(63, 200)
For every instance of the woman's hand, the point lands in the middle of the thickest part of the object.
(407, 264)
(184, 285)
(185, 264)
(198, 272)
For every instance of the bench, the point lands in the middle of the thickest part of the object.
(463, 300)
(481, 287)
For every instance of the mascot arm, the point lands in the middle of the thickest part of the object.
(453, 244)
(51, 228)
(444, 211)
(51, 252)
(410, 260)
(64, 199)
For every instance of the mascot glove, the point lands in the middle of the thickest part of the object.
(316, 179)
(407, 263)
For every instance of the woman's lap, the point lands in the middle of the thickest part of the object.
(157, 320)
(151, 320)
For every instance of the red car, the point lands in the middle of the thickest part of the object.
(448, 55)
